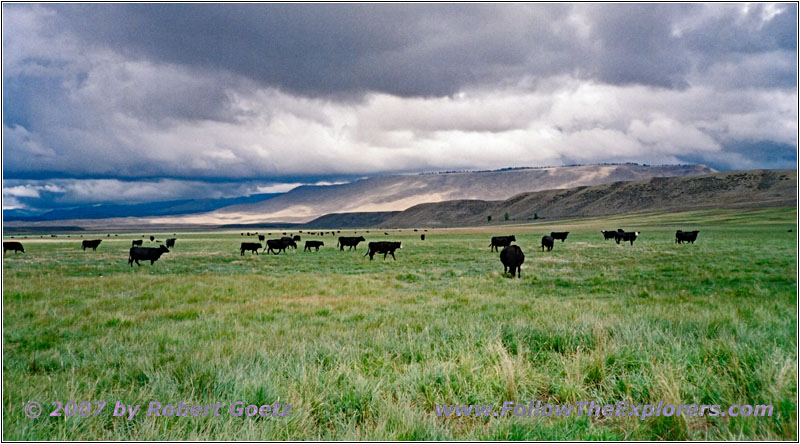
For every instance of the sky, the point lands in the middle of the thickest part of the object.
(129, 103)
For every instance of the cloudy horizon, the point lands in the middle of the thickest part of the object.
(134, 102)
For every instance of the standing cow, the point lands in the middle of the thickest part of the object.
(547, 242)
(313, 244)
(351, 242)
(559, 235)
(252, 247)
(626, 236)
(383, 247)
(136, 243)
(16, 246)
(501, 241)
(685, 236)
(512, 259)
(146, 254)
(608, 234)
(91, 244)
(171, 242)
(278, 245)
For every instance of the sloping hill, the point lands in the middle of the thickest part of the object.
(396, 193)
(753, 188)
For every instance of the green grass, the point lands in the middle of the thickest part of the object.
(365, 349)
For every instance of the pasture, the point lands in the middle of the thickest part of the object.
(365, 349)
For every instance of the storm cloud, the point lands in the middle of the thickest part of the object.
(296, 93)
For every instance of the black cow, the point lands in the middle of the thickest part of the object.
(296, 238)
(136, 243)
(501, 241)
(252, 247)
(559, 235)
(313, 244)
(290, 241)
(351, 242)
(421, 237)
(171, 242)
(262, 238)
(91, 244)
(278, 245)
(626, 236)
(512, 259)
(685, 236)
(547, 242)
(16, 246)
(152, 238)
(146, 254)
(608, 234)
(383, 247)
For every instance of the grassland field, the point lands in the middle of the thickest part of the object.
(365, 349)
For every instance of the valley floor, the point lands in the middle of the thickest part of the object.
(366, 349)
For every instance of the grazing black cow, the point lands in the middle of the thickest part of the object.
(136, 243)
(262, 238)
(685, 236)
(383, 247)
(296, 238)
(608, 234)
(512, 259)
(385, 234)
(152, 238)
(171, 242)
(252, 247)
(146, 254)
(547, 242)
(313, 244)
(351, 242)
(626, 236)
(501, 241)
(278, 245)
(559, 235)
(91, 244)
(421, 237)
(16, 246)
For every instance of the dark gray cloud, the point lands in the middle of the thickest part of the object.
(292, 92)
(428, 49)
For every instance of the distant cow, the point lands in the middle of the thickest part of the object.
(547, 242)
(501, 241)
(626, 236)
(562, 235)
(383, 247)
(262, 238)
(16, 246)
(278, 245)
(146, 254)
(685, 236)
(608, 234)
(136, 243)
(296, 238)
(152, 238)
(421, 237)
(313, 244)
(91, 244)
(351, 242)
(252, 247)
(512, 259)
(171, 242)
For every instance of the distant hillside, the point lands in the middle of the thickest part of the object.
(351, 220)
(395, 193)
(753, 188)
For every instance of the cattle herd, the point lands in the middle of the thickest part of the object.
(511, 256)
